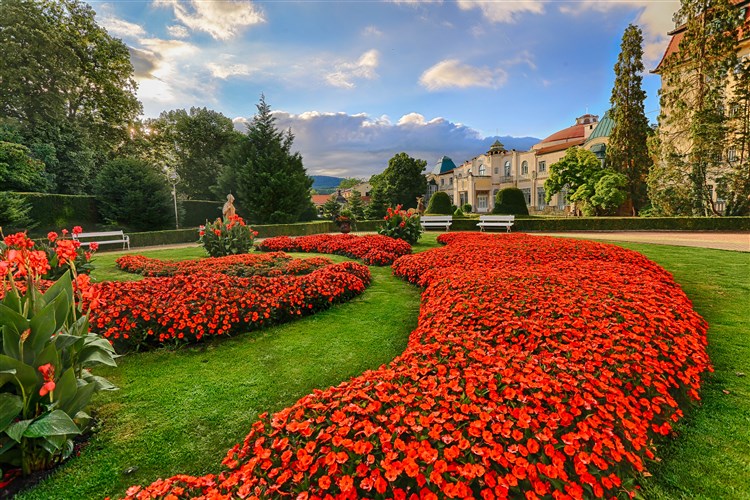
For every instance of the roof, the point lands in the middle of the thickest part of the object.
(320, 199)
(560, 147)
(603, 128)
(674, 43)
(497, 146)
(444, 165)
(575, 132)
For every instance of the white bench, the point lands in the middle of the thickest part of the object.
(428, 221)
(505, 221)
(99, 238)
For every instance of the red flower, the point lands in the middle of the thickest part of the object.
(52, 236)
(77, 229)
(48, 373)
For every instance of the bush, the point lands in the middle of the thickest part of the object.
(52, 211)
(197, 212)
(466, 208)
(132, 194)
(458, 213)
(14, 212)
(46, 352)
(510, 201)
(221, 239)
(440, 204)
(400, 224)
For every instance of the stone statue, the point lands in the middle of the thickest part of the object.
(420, 204)
(228, 210)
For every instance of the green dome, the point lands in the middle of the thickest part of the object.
(444, 165)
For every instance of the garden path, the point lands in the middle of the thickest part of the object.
(737, 241)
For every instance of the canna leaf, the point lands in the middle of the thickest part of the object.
(55, 423)
(10, 407)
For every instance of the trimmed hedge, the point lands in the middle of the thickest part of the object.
(617, 224)
(57, 211)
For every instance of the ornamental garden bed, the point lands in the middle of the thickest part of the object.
(374, 249)
(548, 372)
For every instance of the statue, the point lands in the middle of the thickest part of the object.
(420, 204)
(228, 210)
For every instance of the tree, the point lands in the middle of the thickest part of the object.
(694, 83)
(355, 204)
(272, 184)
(19, 171)
(440, 204)
(580, 172)
(133, 194)
(627, 151)
(733, 184)
(402, 181)
(197, 142)
(349, 182)
(378, 201)
(510, 201)
(331, 208)
(68, 83)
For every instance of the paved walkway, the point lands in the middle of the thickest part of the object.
(737, 241)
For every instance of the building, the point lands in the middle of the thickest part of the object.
(478, 180)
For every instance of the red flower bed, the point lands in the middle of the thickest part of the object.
(269, 264)
(541, 367)
(186, 307)
(372, 249)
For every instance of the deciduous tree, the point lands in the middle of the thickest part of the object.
(402, 181)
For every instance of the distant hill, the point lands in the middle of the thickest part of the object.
(325, 182)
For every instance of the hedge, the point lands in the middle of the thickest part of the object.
(197, 212)
(57, 211)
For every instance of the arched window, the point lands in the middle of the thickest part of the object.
(507, 169)
(482, 170)
(525, 168)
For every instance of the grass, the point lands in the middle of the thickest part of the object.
(178, 412)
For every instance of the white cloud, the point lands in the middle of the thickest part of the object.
(655, 19)
(451, 73)
(119, 27)
(359, 145)
(178, 31)
(372, 31)
(224, 71)
(220, 19)
(503, 11)
(345, 73)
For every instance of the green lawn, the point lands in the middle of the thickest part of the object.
(178, 412)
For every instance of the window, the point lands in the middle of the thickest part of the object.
(527, 195)
(542, 166)
(450, 180)
(463, 198)
(442, 182)
(561, 198)
(525, 168)
(497, 170)
(494, 193)
(540, 202)
(482, 202)
(732, 154)
(507, 169)
(482, 170)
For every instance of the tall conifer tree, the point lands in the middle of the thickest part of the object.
(272, 184)
(694, 84)
(733, 185)
(627, 151)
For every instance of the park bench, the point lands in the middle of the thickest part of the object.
(103, 238)
(429, 221)
(505, 221)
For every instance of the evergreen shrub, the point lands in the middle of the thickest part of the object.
(440, 204)
(510, 201)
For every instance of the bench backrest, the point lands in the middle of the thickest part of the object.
(497, 218)
(436, 218)
(99, 235)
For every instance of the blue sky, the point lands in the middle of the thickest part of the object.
(359, 81)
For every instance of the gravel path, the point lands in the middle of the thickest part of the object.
(737, 241)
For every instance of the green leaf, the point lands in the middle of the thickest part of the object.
(95, 356)
(65, 390)
(63, 285)
(80, 400)
(56, 423)
(43, 325)
(102, 384)
(16, 429)
(12, 301)
(9, 317)
(23, 372)
(10, 406)
(64, 341)
(11, 341)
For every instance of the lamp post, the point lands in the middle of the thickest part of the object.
(174, 178)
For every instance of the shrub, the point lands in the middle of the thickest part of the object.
(466, 207)
(46, 353)
(14, 212)
(510, 201)
(132, 194)
(458, 213)
(440, 204)
(219, 239)
(400, 224)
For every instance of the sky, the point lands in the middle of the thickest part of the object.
(361, 80)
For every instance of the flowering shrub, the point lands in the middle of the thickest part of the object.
(63, 251)
(270, 264)
(196, 300)
(372, 249)
(45, 353)
(220, 239)
(401, 224)
(546, 373)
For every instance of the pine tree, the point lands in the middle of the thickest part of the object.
(331, 208)
(355, 204)
(627, 152)
(272, 184)
(694, 83)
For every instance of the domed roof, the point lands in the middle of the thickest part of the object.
(577, 131)
(443, 165)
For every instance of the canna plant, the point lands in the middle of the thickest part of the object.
(46, 352)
